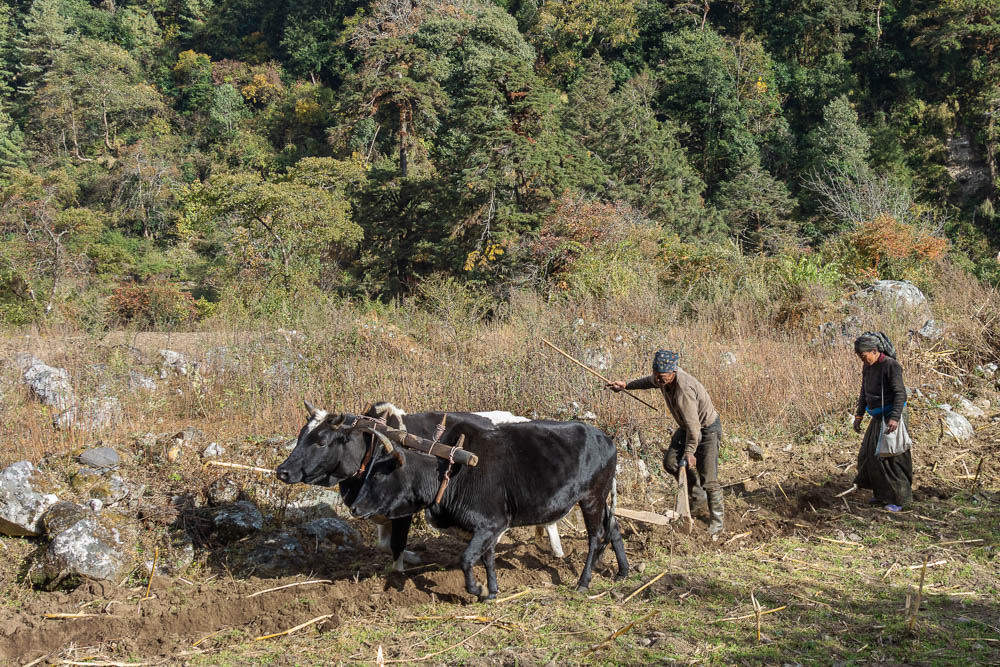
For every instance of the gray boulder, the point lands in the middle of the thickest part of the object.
(276, 555)
(172, 362)
(50, 385)
(102, 458)
(893, 293)
(957, 426)
(88, 549)
(94, 414)
(137, 380)
(333, 531)
(314, 502)
(237, 520)
(843, 332)
(968, 409)
(25, 496)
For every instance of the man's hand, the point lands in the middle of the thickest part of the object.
(690, 460)
(616, 386)
(857, 424)
(891, 425)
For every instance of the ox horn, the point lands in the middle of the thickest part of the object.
(381, 436)
(310, 408)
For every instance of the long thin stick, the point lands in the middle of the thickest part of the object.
(854, 487)
(223, 464)
(295, 629)
(515, 595)
(619, 633)
(152, 571)
(592, 371)
(644, 586)
(60, 616)
(278, 588)
(743, 618)
(920, 594)
(432, 655)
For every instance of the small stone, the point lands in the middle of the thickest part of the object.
(968, 409)
(640, 568)
(755, 451)
(95, 505)
(314, 502)
(728, 359)
(749, 485)
(214, 450)
(641, 466)
(854, 537)
(100, 458)
(25, 496)
(597, 358)
(644, 641)
(588, 416)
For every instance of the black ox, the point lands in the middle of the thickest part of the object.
(528, 474)
(329, 452)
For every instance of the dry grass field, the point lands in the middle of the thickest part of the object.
(836, 580)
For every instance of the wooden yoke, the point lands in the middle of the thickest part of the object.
(424, 445)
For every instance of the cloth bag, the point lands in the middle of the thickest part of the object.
(895, 443)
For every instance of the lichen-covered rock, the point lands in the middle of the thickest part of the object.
(334, 531)
(237, 520)
(957, 426)
(91, 484)
(893, 293)
(968, 409)
(172, 361)
(51, 385)
(100, 458)
(25, 496)
(62, 516)
(88, 549)
(222, 491)
(597, 358)
(931, 330)
(755, 451)
(314, 502)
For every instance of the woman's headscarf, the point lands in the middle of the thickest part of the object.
(866, 343)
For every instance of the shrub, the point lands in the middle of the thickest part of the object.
(885, 248)
(153, 305)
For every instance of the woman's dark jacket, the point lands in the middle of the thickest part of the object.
(884, 378)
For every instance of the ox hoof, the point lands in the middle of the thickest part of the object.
(582, 589)
(476, 590)
(411, 558)
(621, 576)
(492, 597)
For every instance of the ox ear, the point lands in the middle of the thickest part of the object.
(310, 409)
(398, 455)
(336, 420)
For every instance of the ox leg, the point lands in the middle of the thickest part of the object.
(611, 532)
(593, 519)
(397, 542)
(553, 531)
(389, 540)
(489, 562)
(482, 539)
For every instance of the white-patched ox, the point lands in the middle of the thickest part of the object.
(528, 474)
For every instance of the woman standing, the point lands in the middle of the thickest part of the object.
(883, 396)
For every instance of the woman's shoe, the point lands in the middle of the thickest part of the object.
(893, 508)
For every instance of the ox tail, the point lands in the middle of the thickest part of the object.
(610, 520)
(385, 410)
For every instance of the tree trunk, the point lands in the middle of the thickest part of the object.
(403, 139)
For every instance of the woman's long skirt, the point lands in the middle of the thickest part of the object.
(889, 478)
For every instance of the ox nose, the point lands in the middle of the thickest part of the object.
(284, 475)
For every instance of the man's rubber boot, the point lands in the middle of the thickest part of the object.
(716, 511)
(697, 495)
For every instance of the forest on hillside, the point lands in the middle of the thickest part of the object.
(165, 161)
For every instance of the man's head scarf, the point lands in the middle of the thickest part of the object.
(665, 361)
